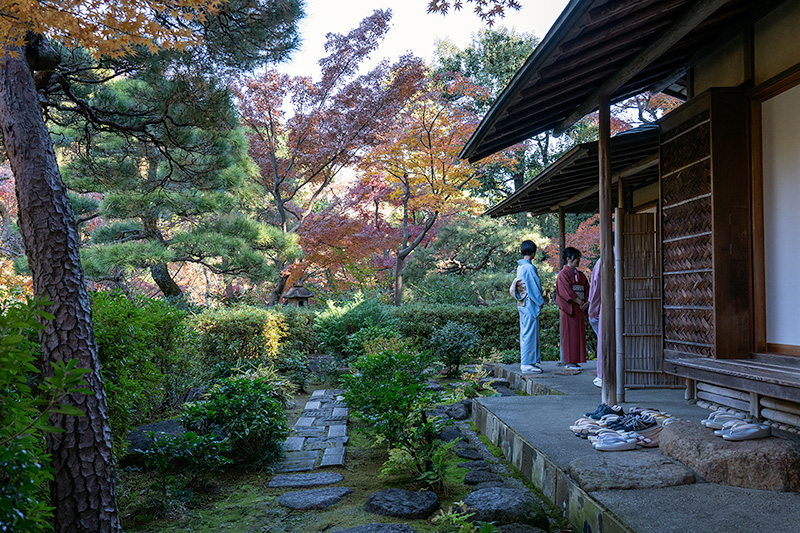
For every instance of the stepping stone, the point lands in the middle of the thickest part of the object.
(629, 471)
(434, 386)
(311, 431)
(337, 431)
(460, 410)
(318, 393)
(333, 457)
(294, 444)
(304, 421)
(379, 528)
(341, 412)
(506, 506)
(322, 444)
(304, 480)
(402, 503)
(475, 465)
(304, 500)
(312, 405)
(299, 461)
(479, 476)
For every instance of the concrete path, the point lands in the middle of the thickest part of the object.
(533, 431)
(319, 437)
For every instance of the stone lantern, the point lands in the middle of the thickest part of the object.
(298, 296)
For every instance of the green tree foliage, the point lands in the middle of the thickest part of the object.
(154, 139)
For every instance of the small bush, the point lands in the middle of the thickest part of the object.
(338, 321)
(449, 290)
(144, 365)
(452, 342)
(229, 335)
(356, 341)
(250, 412)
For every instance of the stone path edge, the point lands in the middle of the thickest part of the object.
(556, 485)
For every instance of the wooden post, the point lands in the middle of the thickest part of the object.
(619, 284)
(607, 320)
(562, 244)
(562, 237)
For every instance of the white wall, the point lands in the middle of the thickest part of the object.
(781, 147)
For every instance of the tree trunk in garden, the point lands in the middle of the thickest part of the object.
(519, 181)
(83, 491)
(164, 281)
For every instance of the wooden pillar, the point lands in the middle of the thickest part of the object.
(562, 237)
(607, 315)
(562, 244)
(619, 286)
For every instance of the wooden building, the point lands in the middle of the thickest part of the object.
(706, 280)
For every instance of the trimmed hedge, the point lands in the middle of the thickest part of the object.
(228, 335)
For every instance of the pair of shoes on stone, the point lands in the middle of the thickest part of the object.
(572, 366)
(597, 382)
(530, 369)
(614, 443)
(717, 419)
(743, 430)
(604, 409)
(633, 422)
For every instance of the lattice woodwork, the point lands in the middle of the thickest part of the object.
(689, 289)
(687, 219)
(686, 149)
(690, 182)
(694, 253)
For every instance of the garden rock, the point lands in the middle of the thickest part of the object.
(460, 410)
(506, 506)
(766, 464)
(139, 441)
(475, 465)
(304, 500)
(468, 453)
(489, 485)
(305, 480)
(379, 528)
(435, 386)
(521, 528)
(480, 476)
(632, 470)
(402, 503)
(495, 382)
(449, 434)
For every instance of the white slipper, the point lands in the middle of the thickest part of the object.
(748, 431)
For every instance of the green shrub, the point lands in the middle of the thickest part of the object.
(334, 324)
(229, 335)
(249, 411)
(453, 341)
(143, 360)
(442, 289)
(24, 409)
(498, 325)
(355, 346)
(196, 455)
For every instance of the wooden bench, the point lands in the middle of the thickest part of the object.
(776, 376)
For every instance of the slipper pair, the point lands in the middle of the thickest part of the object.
(610, 443)
(717, 419)
(744, 431)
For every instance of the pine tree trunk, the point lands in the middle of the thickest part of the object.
(398, 279)
(84, 491)
(164, 281)
(519, 181)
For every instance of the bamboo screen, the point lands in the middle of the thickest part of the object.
(644, 359)
(686, 220)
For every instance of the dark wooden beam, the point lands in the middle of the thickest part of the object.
(608, 331)
(699, 11)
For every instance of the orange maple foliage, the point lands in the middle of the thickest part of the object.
(107, 27)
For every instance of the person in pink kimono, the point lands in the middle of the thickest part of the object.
(572, 290)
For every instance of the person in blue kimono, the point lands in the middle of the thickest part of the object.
(527, 291)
